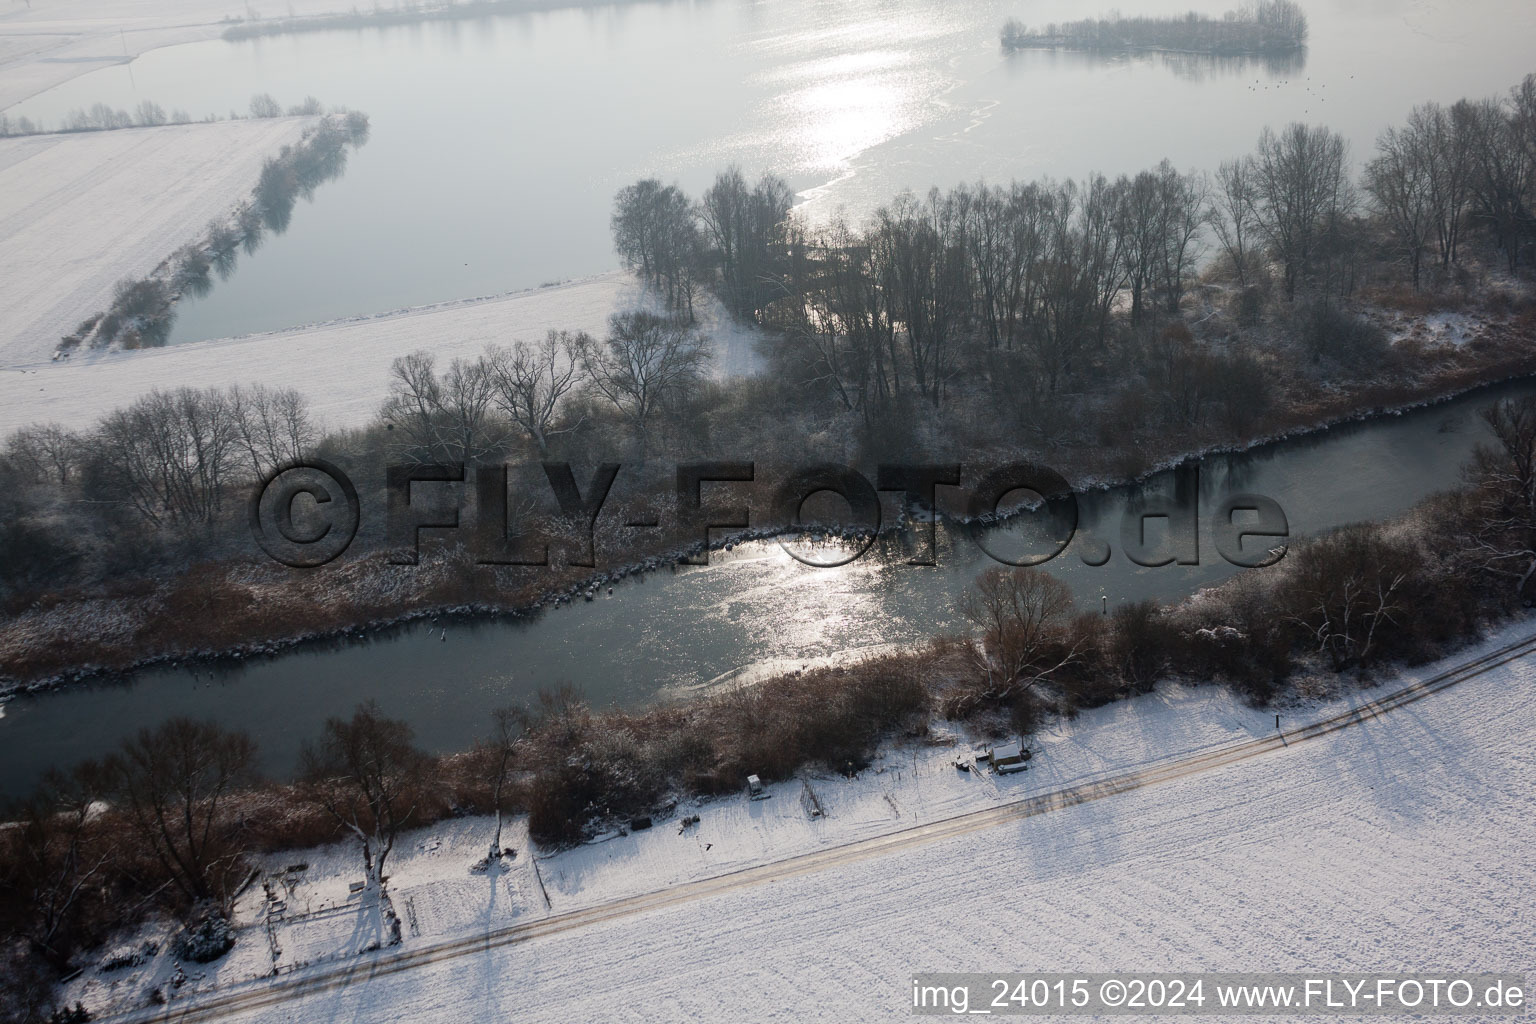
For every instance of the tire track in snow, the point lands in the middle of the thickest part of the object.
(959, 825)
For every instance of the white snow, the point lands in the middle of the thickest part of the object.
(1445, 329)
(45, 42)
(343, 367)
(80, 212)
(1402, 843)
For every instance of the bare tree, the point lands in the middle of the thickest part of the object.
(498, 753)
(1185, 199)
(1399, 182)
(656, 235)
(983, 221)
(1020, 614)
(746, 228)
(273, 425)
(263, 105)
(922, 273)
(54, 854)
(841, 320)
(148, 113)
(367, 774)
(1503, 167)
(1142, 221)
(1433, 133)
(1345, 590)
(470, 431)
(1082, 272)
(532, 380)
(413, 406)
(1233, 215)
(170, 454)
(1301, 179)
(46, 453)
(444, 417)
(1158, 220)
(646, 362)
(172, 782)
(1503, 530)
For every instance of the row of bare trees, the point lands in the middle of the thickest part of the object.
(172, 456)
(1034, 268)
(1046, 267)
(474, 408)
(1038, 268)
(1474, 159)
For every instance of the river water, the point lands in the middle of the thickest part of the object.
(757, 609)
(496, 148)
(498, 143)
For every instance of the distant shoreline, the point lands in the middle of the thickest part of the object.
(1259, 28)
(380, 18)
(1060, 43)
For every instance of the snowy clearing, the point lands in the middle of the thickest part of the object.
(1403, 842)
(343, 367)
(1445, 329)
(81, 212)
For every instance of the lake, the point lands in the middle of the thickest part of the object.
(498, 143)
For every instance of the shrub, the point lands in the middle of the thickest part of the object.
(1142, 638)
(128, 956)
(1326, 331)
(1247, 306)
(76, 1014)
(1243, 391)
(205, 940)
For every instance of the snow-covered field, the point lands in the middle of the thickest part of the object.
(1405, 842)
(78, 213)
(343, 367)
(45, 42)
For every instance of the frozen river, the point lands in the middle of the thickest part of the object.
(669, 635)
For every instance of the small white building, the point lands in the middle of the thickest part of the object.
(1008, 757)
(755, 788)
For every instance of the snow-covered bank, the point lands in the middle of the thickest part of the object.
(1402, 843)
(81, 212)
(47, 42)
(343, 367)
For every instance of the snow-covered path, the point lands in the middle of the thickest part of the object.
(1396, 842)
